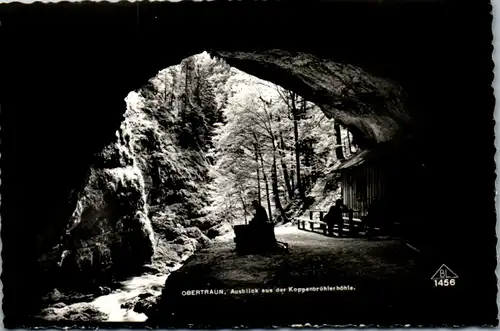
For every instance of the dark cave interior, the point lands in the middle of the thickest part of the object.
(69, 67)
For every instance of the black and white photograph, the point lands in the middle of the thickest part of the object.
(248, 164)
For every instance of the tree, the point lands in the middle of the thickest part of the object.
(338, 149)
(268, 124)
(296, 107)
(271, 144)
(282, 150)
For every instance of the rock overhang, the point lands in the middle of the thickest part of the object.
(374, 105)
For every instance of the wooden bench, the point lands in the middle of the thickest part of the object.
(353, 224)
(320, 211)
(301, 224)
(256, 239)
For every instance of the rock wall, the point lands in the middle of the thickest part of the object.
(128, 216)
(109, 234)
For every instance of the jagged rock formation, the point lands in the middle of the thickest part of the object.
(129, 217)
(65, 99)
(109, 233)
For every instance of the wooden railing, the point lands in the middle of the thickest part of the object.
(351, 224)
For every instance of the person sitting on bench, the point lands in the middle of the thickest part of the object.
(261, 230)
(260, 216)
(334, 217)
(258, 236)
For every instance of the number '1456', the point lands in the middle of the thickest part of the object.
(444, 282)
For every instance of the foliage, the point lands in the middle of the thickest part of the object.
(169, 126)
(256, 144)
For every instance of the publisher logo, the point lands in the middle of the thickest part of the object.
(444, 277)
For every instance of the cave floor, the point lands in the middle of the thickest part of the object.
(313, 259)
(363, 281)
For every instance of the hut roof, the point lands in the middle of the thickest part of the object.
(354, 161)
(382, 154)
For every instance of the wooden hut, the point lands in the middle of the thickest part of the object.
(393, 173)
(368, 175)
(361, 182)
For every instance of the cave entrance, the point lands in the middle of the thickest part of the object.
(202, 142)
(255, 140)
(445, 86)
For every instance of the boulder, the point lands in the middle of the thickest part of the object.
(219, 230)
(168, 231)
(145, 295)
(104, 290)
(144, 305)
(184, 247)
(151, 269)
(183, 240)
(53, 296)
(194, 232)
(59, 305)
(204, 223)
(78, 312)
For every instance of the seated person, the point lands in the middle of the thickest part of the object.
(261, 230)
(334, 217)
(260, 216)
